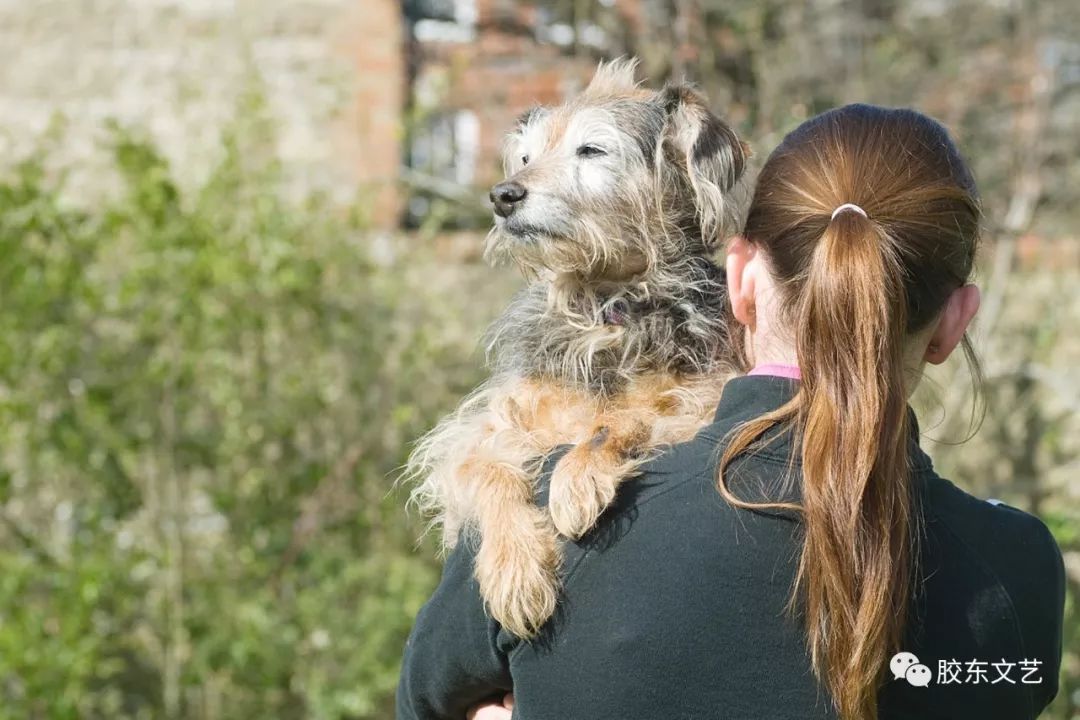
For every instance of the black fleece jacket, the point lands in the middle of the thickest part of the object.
(674, 605)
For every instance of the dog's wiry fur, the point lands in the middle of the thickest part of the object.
(619, 344)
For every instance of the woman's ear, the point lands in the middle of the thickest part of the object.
(959, 311)
(740, 279)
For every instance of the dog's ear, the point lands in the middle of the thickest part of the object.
(712, 154)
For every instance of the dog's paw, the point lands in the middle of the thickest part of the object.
(517, 568)
(583, 484)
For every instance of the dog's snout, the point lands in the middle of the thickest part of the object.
(506, 196)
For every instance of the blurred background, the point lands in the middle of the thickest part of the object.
(240, 273)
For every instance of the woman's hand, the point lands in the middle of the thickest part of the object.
(493, 711)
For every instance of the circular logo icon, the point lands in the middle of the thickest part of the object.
(900, 663)
(918, 675)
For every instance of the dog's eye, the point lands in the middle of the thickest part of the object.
(588, 151)
(524, 159)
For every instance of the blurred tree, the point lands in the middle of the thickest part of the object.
(203, 397)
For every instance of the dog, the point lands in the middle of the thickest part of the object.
(612, 207)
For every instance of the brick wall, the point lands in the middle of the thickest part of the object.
(378, 51)
(178, 67)
(337, 77)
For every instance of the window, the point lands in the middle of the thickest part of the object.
(443, 153)
(442, 20)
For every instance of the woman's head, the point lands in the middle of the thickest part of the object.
(914, 223)
(860, 296)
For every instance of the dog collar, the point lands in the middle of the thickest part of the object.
(615, 313)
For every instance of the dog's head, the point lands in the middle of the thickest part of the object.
(617, 181)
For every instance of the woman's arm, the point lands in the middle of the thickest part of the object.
(456, 656)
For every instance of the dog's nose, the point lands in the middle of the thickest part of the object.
(506, 196)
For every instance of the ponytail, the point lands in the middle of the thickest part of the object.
(855, 284)
(854, 575)
(857, 563)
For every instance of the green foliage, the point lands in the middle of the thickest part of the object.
(1025, 448)
(204, 394)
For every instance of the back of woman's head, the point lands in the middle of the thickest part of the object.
(854, 285)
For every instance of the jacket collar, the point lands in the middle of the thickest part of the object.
(750, 396)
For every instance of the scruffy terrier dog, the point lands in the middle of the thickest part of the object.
(613, 206)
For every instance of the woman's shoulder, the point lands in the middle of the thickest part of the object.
(994, 577)
(1014, 545)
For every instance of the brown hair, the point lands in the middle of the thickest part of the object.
(852, 288)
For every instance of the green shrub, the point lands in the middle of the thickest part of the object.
(204, 395)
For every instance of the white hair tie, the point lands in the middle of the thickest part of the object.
(848, 206)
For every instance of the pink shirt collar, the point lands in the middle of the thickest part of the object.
(785, 371)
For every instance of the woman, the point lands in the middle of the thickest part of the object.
(776, 565)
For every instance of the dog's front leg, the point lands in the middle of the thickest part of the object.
(585, 480)
(517, 561)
